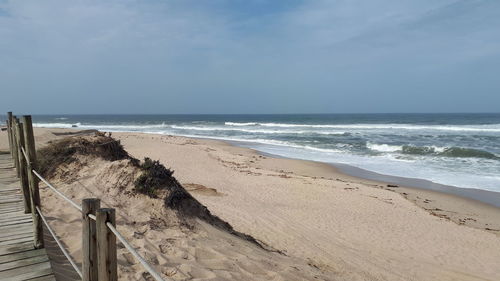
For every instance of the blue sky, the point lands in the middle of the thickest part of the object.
(262, 56)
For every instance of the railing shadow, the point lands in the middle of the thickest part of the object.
(60, 265)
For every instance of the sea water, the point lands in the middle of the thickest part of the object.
(461, 150)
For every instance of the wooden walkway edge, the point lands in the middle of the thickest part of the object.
(19, 260)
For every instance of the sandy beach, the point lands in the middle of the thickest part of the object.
(311, 221)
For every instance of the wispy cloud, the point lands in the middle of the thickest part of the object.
(250, 56)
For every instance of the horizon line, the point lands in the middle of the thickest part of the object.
(342, 113)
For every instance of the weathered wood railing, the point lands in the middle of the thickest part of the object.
(99, 233)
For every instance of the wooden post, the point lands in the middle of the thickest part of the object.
(23, 168)
(89, 239)
(9, 122)
(15, 148)
(29, 146)
(106, 245)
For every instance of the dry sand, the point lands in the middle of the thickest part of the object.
(327, 225)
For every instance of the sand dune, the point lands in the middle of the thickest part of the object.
(178, 249)
(315, 222)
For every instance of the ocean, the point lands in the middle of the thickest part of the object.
(461, 150)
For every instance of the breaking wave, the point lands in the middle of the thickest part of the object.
(458, 152)
(457, 128)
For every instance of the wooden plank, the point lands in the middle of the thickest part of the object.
(7, 227)
(10, 206)
(44, 278)
(14, 216)
(23, 262)
(6, 201)
(16, 241)
(22, 255)
(14, 236)
(9, 230)
(5, 232)
(10, 249)
(11, 196)
(11, 216)
(27, 272)
(10, 189)
(13, 226)
(15, 222)
(11, 193)
(16, 233)
(10, 200)
(11, 210)
(18, 215)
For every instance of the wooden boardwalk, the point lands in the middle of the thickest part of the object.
(18, 258)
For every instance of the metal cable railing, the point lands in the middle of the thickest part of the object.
(71, 261)
(66, 254)
(75, 205)
(118, 235)
(129, 247)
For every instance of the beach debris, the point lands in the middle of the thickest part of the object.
(491, 229)
(392, 185)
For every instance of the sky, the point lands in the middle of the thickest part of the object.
(249, 56)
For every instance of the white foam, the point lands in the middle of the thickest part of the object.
(262, 131)
(442, 170)
(240, 124)
(103, 127)
(439, 149)
(460, 128)
(384, 147)
(53, 125)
